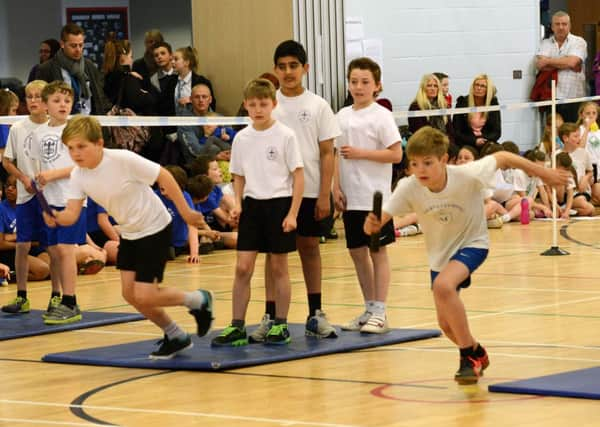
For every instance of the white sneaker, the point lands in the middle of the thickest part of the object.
(376, 325)
(318, 326)
(260, 333)
(358, 322)
(409, 230)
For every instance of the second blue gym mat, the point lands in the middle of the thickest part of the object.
(30, 324)
(583, 383)
(203, 357)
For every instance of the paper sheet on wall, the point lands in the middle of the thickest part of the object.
(353, 27)
(354, 49)
(373, 48)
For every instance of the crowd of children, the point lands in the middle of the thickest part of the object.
(285, 166)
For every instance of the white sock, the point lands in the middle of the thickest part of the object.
(505, 217)
(369, 306)
(193, 300)
(379, 308)
(173, 331)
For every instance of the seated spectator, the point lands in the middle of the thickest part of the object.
(184, 237)
(48, 49)
(101, 230)
(475, 129)
(545, 145)
(9, 102)
(445, 86)
(146, 66)
(189, 137)
(430, 97)
(38, 259)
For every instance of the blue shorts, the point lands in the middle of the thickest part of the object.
(472, 258)
(70, 235)
(30, 224)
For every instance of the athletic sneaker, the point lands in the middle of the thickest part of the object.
(204, 315)
(409, 230)
(495, 222)
(62, 315)
(375, 325)
(469, 370)
(260, 333)
(358, 322)
(230, 337)
(52, 304)
(484, 360)
(318, 326)
(278, 335)
(170, 348)
(18, 305)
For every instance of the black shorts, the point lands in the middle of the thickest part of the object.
(260, 226)
(146, 256)
(588, 196)
(308, 226)
(8, 257)
(98, 237)
(356, 237)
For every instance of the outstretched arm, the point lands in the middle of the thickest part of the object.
(552, 177)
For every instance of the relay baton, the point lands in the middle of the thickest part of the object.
(377, 199)
(41, 199)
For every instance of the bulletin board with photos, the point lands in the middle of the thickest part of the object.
(97, 24)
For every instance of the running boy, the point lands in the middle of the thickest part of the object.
(369, 144)
(449, 204)
(119, 180)
(311, 118)
(29, 216)
(268, 182)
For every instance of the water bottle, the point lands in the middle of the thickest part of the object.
(524, 210)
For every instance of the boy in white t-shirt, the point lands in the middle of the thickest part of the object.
(582, 163)
(29, 215)
(448, 201)
(314, 123)
(369, 144)
(119, 181)
(266, 166)
(55, 166)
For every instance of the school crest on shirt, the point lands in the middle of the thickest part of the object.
(50, 148)
(27, 145)
(304, 116)
(271, 152)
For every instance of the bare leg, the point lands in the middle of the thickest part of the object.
(281, 281)
(241, 283)
(364, 271)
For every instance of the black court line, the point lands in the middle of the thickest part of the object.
(565, 233)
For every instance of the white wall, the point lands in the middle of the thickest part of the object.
(462, 38)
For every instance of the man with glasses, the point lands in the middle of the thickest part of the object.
(81, 74)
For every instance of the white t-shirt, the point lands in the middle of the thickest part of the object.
(526, 183)
(582, 164)
(48, 149)
(371, 128)
(502, 190)
(121, 185)
(313, 121)
(592, 145)
(266, 159)
(452, 219)
(18, 147)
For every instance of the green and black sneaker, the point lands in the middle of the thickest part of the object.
(278, 335)
(231, 337)
(17, 306)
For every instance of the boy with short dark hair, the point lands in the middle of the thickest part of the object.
(120, 180)
(268, 182)
(448, 202)
(315, 125)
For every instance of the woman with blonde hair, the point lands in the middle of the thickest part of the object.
(475, 129)
(430, 97)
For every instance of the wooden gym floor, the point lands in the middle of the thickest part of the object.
(536, 316)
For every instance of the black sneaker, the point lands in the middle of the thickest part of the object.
(230, 337)
(278, 335)
(484, 360)
(169, 348)
(469, 370)
(204, 315)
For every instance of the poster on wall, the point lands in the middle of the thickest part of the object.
(99, 23)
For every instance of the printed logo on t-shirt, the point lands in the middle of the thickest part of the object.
(50, 148)
(304, 116)
(271, 152)
(444, 216)
(27, 145)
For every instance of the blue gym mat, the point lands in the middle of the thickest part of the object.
(584, 383)
(203, 357)
(30, 324)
